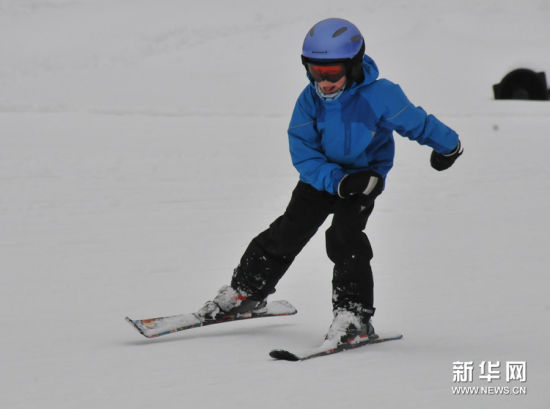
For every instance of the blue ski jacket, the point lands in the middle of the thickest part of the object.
(329, 139)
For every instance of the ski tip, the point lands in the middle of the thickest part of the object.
(136, 326)
(281, 307)
(284, 355)
(383, 338)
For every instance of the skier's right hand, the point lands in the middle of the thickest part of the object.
(365, 185)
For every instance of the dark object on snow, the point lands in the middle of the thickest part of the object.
(522, 84)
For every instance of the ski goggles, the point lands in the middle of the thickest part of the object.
(332, 73)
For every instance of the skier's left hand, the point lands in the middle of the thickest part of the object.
(440, 161)
(365, 185)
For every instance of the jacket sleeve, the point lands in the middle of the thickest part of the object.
(399, 114)
(306, 150)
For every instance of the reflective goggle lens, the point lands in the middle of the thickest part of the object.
(332, 73)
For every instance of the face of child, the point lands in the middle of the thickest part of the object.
(329, 87)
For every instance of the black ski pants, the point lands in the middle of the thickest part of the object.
(271, 253)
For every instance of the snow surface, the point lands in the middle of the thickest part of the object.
(143, 144)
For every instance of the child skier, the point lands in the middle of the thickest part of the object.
(341, 143)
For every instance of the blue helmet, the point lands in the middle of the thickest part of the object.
(333, 39)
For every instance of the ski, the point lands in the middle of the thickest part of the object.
(330, 347)
(156, 327)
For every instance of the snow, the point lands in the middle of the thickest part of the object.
(144, 144)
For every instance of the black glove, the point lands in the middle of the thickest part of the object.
(365, 185)
(441, 161)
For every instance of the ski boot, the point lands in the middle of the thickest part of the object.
(229, 302)
(348, 327)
